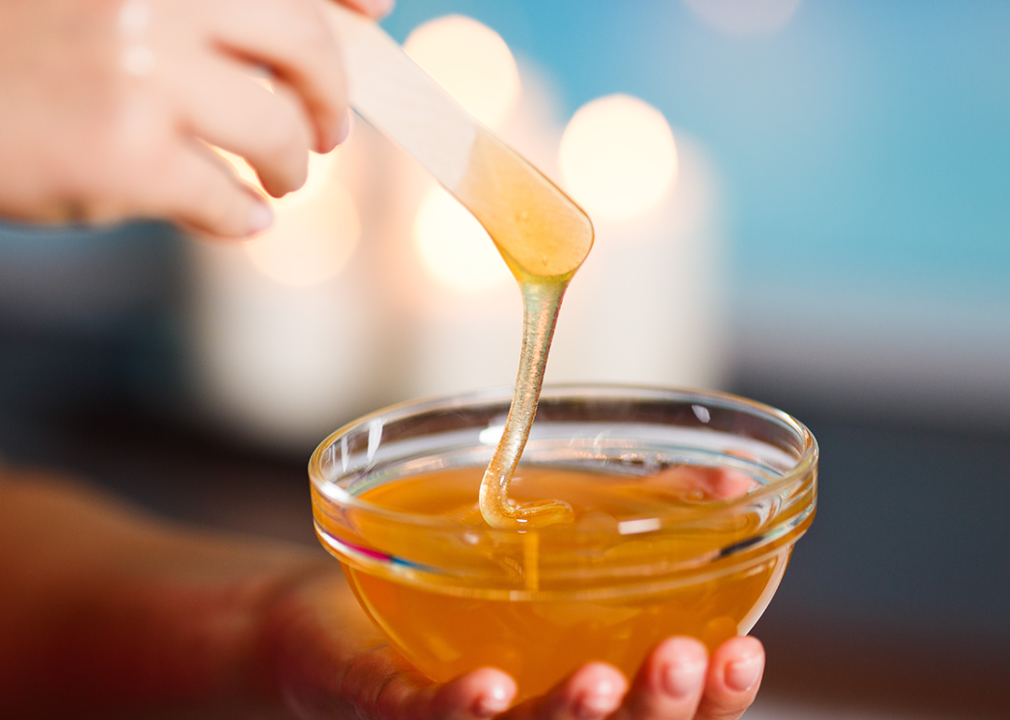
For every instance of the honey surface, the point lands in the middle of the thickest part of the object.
(457, 623)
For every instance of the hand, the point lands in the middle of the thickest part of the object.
(329, 659)
(329, 662)
(108, 612)
(109, 107)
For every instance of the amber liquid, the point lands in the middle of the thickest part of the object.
(542, 605)
(544, 237)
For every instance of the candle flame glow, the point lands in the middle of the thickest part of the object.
(471, 61)
(453, 246)
(316, 229)
(618, 157)
(311, 242)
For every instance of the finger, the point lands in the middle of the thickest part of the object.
(293, 39)
(200, 191)
(328, 661)
(734, 675)
(669, 684)
(228, 109)
(592, 692)
(707, 483)
(475, 696)
(372, 8)
(727, 483)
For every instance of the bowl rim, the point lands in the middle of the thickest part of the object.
(804, 466)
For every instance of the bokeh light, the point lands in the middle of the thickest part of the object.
(471, 61)
(453, 246)
(745, 17)
(316, 229)
(617, 157)
(311, 242)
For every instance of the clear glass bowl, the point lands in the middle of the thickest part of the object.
(452, 594)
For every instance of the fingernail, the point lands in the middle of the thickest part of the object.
(260, 217)
(742, 674)
(598, 703)
(683, 679)
(381, 8)
(345, 128)
(492, 703)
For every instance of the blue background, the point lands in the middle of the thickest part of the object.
(864, 148)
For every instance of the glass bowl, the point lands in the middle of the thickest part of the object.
(718, 490)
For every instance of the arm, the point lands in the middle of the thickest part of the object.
(106, 611)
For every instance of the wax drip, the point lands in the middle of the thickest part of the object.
(541, 302)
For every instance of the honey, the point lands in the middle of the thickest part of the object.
(543, 237)
(608, 586)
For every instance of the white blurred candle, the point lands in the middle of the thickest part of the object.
(646, 306)
(286, 330)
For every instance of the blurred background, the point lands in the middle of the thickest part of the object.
(803, 201)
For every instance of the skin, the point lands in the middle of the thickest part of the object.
(90, 133)
(107, 612)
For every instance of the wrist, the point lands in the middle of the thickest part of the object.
(106, 611)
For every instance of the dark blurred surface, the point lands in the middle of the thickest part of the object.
(897, 597)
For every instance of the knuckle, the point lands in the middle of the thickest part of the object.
(286, 148)
(306, 34)
(214, 202)
(285, 139)
(391, 697)
(313, 33)
(125, 148)
(134, 131)
(365, 680)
